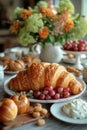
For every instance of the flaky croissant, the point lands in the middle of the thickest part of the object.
(11, 64)
(28, 60)
(15, 65)
(41, 74)
(5, 60)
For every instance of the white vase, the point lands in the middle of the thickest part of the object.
(51, 53)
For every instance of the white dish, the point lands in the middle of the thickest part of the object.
(66, 59)
(11, 93)
(11, 72)
(56, 111)
(73, 60)
(78, 55)
(69, 60)
(17, 50)
(75, 52)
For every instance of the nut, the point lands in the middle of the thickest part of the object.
(41, 122)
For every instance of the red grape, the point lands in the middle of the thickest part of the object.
(37, 94)
(48, 93)
(45, 92)
(48, 97)
(67, 45)
(60, 90)
(74, 46)
(57, 96)
(41, 96)
(80, 45)
(51, 93)
(48, 88)
(66, 94)
(61, 95)
(66, 89)
(81, 42)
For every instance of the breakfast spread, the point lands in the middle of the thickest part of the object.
(47, 81)
(53, 32)
(76, 109)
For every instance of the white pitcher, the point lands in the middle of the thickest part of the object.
(50, 53)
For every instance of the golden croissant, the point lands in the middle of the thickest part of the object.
(41, 74)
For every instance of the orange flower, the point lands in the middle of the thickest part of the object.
(25, 13)
(64, 16)
(15, 27)
(65, 19)
(47, 12)
(69, 25)
(44, 33)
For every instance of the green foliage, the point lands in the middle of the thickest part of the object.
(34, 23)
(25, 38)
(80, 30)
(17, 12)
(66, 4)
(42, 3)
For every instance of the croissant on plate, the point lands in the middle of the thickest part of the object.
(15, 65)
(11, 64)
(41, 74)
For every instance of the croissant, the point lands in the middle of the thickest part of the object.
(11, 64)
(42, 74)
(5, 60)
(15, 65)
(28, 60)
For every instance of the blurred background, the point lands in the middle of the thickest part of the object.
(6, 8)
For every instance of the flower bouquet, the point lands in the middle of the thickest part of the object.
(42, 24)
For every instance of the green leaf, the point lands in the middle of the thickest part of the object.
(51, 39)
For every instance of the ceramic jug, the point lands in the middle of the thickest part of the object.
(50, 53)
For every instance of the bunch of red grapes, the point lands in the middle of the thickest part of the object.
(80, 45)
(48, 93)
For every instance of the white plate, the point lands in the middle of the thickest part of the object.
(11, 93)
(69, 60)
(11, 72)
(73, 60)
(75, 52)
(66, 59)
(17, 49)
(56, 111)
